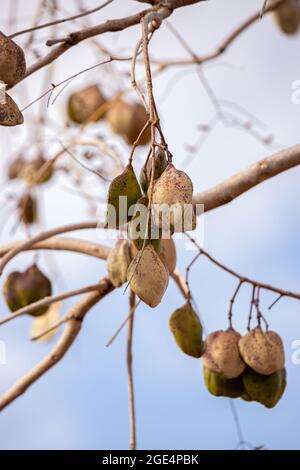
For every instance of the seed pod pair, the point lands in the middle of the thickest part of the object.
(118, 262)
(128, 120)
(23, 288)
(84, 103)
(187, 330)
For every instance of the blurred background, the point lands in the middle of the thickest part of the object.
(82, 402)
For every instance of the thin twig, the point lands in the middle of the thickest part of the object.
(130, 372)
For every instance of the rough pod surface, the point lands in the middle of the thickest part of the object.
(10, 115)
(12, 61)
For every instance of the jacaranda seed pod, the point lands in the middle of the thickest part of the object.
(118, 262)
(82, 104)
(10, 115)
(262, 351)
(148, 277)
(128, 120)
(22, 289)
(218, 386)
(187, 330)
(265, 389)
(168, 254)
(12, 61)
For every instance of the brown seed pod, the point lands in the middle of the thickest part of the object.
(287, 16)
(172, 192)
(128, 120)
(137, 227)
(12, 61)
(168, 254)
(10, 115)
(22, 289)
(82, 104)
(15, 168)
(218, 386)
(28, 209)
(148, 277)
(118, 262)
(222, 354)
(187, 330)
(262, 351)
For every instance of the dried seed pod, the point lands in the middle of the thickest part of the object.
(10, 115)
(172, 194)
(262, 351)
(22, 289)
(265, 389)
(126, 187)
(287, 16)
(148, 277)
(168, 254)
(220, 387)
(141, 229)
(15, 168)
(160, 164)
(118, 262)
(128, 120)
(222, 354)
(30, 171)
(45, 322)
(82, 104)
(12, 61)
(187, 330)
(28, 209)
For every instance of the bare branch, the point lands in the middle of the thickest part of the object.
(130, 372)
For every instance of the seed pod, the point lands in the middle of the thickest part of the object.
(168, 254)
(221, 387)
(30, 171)
(12, 61)
(45, 322)
(137, 228)
(128, 120)
(187, 330)
(15, 168)
(171, 193)
(10, 115)
(222, 354)
(148, 277)
(22, 289)
(28, 209)
(287, 16)
(125, 185)
(118, 262)
(262, 351)
(160, 164)
(265, 389)
(82, 104)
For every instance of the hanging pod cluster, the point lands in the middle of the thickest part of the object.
(12, 70)
(23, 288)
(287, 16)
(249, 367)
(84, 104)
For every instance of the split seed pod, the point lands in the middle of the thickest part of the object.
(82, 104)
(10, 115)
(28, 209)
(218, 386)
(141, 229)
(126, 185)
(168, 254)
(262, 351)
(265, 389)
(160, 164)
(171, 193)
(148, 277)
(287, 16)
(22, 289)
(187, 330)
(118, 262)
(128, 120)
(12, 61)
(222, 354)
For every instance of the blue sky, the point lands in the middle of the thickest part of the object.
(82, 402)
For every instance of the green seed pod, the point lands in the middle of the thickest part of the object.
(126, 185)
(28, 209)
(287, 16)
(187, 330)
(171, 193)
(82, 104)
(265, 389)
(10, 115)
(12, 61)
(128, 120)
(137, 228)
(22, 289)
(160, 164)
(262, 351)
(222, 354)
(148, 277)
(221, 387)
(118, 262)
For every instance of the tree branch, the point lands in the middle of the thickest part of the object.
(76, 314)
